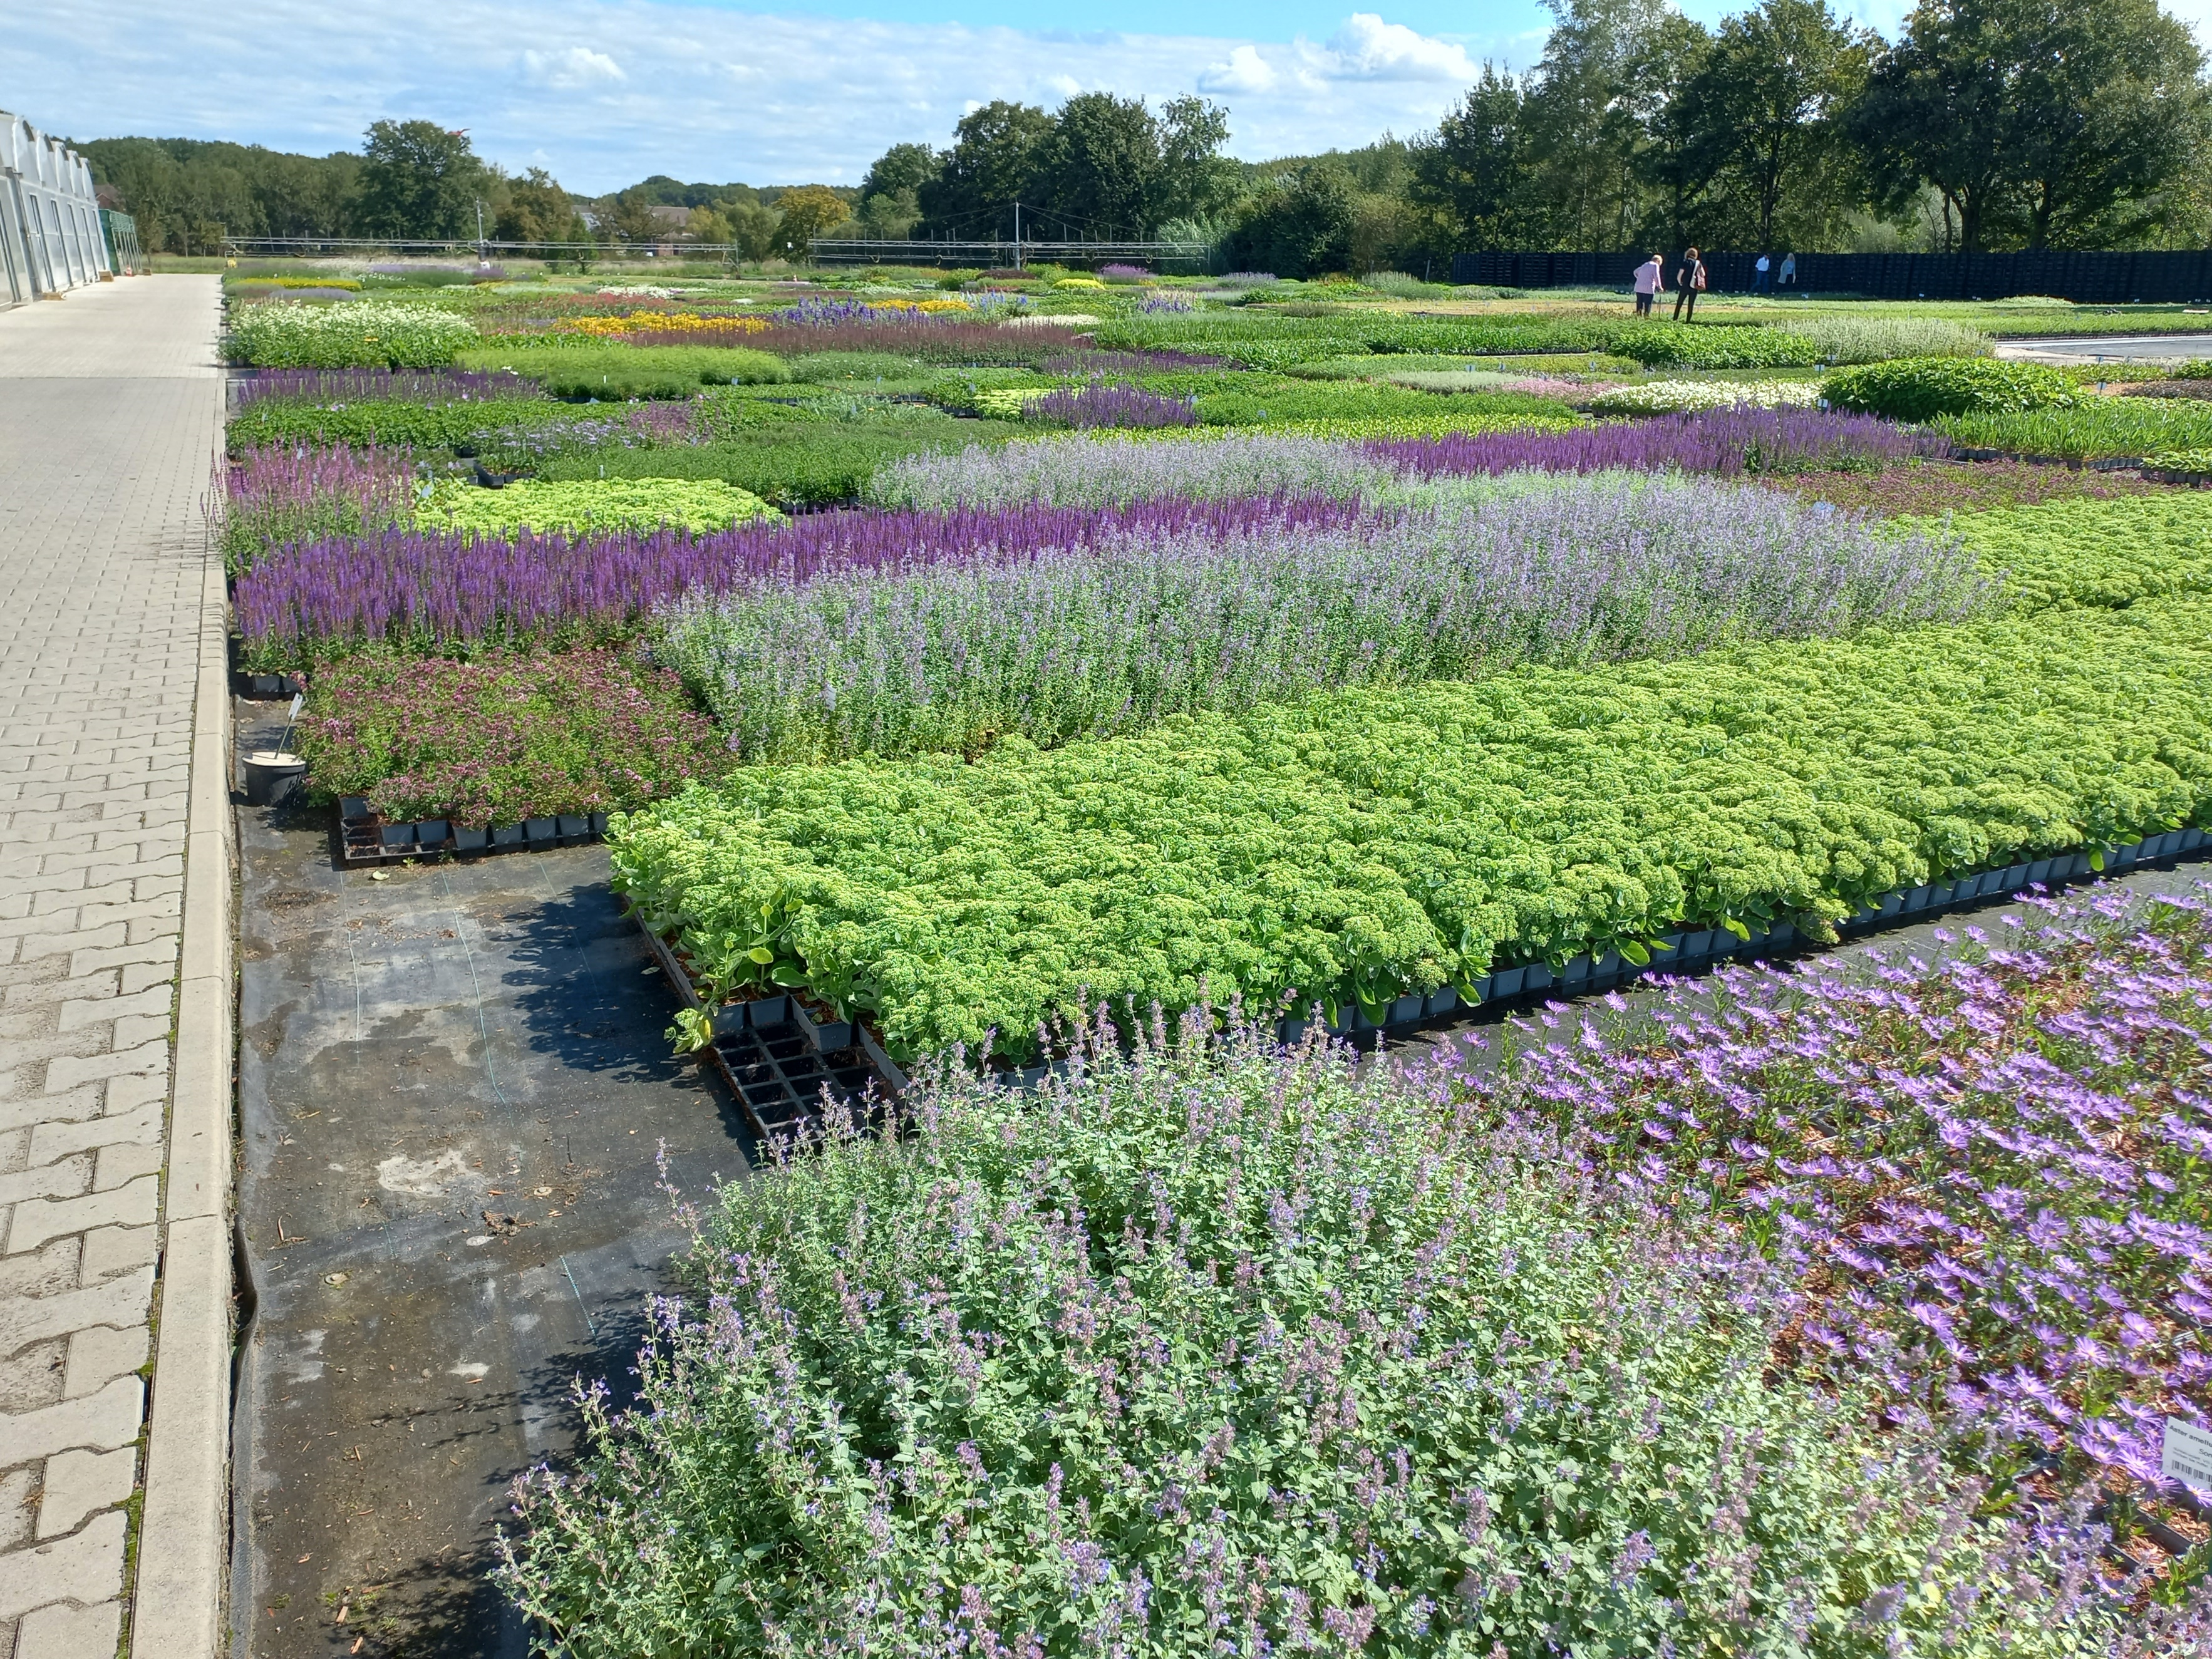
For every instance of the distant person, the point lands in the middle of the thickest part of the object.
(1789, 270)
(1689, 282)
(1650, 277)
(1759, 268)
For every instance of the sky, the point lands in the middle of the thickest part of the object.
(603, 93)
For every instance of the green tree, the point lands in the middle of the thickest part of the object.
(754, 226)
(1300, 222)
(1760, 123)
(535, 209)
(417, 179)
(2038, 122)
(1471, 175)
(805, 213)
(1608, 70)
(628, 217)
(890, 194)
(994, 162)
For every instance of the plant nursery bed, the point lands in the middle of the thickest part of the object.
(777, 1056)
(365, 836)
(456, 1110)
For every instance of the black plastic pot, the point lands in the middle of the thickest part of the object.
(471, 840)
(506, 835)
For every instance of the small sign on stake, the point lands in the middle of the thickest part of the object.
(2187, 1456)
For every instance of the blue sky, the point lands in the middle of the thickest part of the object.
(604, 92)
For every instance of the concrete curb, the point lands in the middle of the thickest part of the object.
(177, 1611)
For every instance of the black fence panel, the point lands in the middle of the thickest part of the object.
(2090, 278)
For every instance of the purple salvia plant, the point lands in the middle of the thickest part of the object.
(429, 589)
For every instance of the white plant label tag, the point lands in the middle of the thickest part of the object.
(299, 701)
(2187, 1456)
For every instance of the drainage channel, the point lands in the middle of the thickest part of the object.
(452, 1090)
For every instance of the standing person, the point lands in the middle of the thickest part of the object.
(1689, 282)
(1761, 266)
(1789, 270)
(1650, 277)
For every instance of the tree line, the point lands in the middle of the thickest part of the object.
(1985, 124)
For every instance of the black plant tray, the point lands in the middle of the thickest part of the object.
(367, 837)
(777, 1059)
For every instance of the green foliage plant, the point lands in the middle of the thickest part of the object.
(503, 738)
(791, 464)
(1214, 1350)
(1701, 345)
(616, 374)
(355, 334)
(2092, 428)
(1922, 388)
(387, 423)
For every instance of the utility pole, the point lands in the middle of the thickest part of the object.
(1017, 236)
(483, 258)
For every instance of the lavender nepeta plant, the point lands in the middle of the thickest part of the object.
(1086, 471)
(1101, 405)
(329, 385)
(1989, 1174)
(1101, 472)
(1122, 632)
(278, 493)
(1215, 1350)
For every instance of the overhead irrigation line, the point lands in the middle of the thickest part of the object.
(886, 251)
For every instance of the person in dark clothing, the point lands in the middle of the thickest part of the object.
(1689, 282)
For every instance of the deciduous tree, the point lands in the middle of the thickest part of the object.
(417, 179)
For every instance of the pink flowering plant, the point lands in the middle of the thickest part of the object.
(504, 739)
(1989, 1177)
(1210, 1349)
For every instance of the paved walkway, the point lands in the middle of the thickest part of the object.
(110, 411)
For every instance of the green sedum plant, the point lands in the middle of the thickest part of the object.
(2089, 552)
(1922, 388)
(694, 504)
(1211, 1351)
(1370, 843)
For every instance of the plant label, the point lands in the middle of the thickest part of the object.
(2188, 1455)
(299, 701)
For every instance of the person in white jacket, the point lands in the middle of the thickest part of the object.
(1650, 277)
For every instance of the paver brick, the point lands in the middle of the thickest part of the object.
(124, 1301)
(22, 1111)
(64, 1179)
(111, 1250)
(141, 1127)
(63, 1632)
(41, 1271)
(77, 1482)
(134, 1204)
(97, 1357)
(76, 1014)
(100, 1421)
(65, 1072)
(85, 1567)
(120, 1165)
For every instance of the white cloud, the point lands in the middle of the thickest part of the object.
(1368, 49)
(1245, 71)
(568, 71)
(622, 89)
